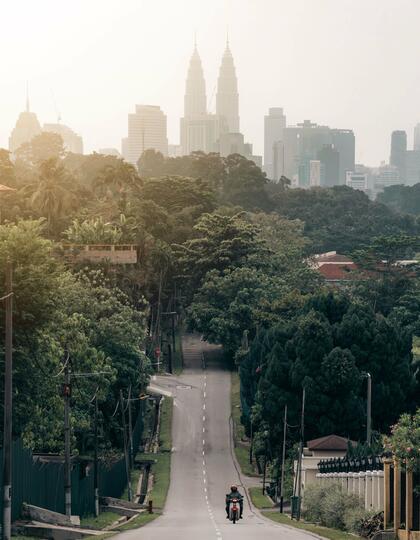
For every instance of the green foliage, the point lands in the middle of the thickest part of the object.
(403, 199)
(341, 218)
(404, 441)
(42, 147)
(53, 194)
(60, 315)
(93, 231)
(237, 180)
(332, 507)
(7, 170)
(326, 345)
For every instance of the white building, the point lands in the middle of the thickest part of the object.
(314, 173)
(109, 152)
(357, 180)
(274, 124)
(72, 142)
(146, 130)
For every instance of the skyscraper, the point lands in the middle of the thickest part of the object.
(330, 165)
(199, 130)
(274, 124)
(27, 127)
(146, 130)
(227, 98)
(344, 142)
(302, 143)
(416, 137)
(398, 152)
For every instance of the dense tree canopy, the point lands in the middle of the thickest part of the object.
(402, 199)
(340, 218)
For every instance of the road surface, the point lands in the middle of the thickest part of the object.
(202, 464)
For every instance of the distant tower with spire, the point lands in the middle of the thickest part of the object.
(27, 127)
(195, 88)
(227, 98)
(197, 126)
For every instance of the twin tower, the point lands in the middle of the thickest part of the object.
(199, 129)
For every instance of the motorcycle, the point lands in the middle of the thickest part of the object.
(234, 510)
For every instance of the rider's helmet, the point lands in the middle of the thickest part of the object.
(234, 488)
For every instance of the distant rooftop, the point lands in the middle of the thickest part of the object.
(329, 442)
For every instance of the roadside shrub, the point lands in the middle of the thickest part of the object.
(329, 505)
(314, 495)
(354, 519)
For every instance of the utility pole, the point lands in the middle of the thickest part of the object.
(283, 459)
(7, 433)
(251, 440)
(130, 429)
(96, 464)
(266, 434)
(369, 410)
(67, 434)
(302, 436)
(127, 462)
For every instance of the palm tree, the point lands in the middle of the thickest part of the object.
(117, 180)
(53, 193)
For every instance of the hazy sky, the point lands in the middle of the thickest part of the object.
(345, 63)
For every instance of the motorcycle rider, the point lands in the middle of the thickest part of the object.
(234, 494)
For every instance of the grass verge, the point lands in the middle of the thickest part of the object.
(325, 532)
(161, 470)
(259, 500)
(103, 520)
(241, 449)
(139, 521)
(135, 475)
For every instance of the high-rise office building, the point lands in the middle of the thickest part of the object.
(330, 165)
(416, 145)
(398, 153)
(314, 173)
(412, 167)
(344, 142)
(274, 124)
(72, 142)
(27, 127)
(302, 144)
(146, 130)
(385, 176)
(227, 98)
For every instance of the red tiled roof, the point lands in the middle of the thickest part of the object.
(330, 442)
(340, 271)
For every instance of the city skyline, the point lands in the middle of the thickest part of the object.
(145, 70)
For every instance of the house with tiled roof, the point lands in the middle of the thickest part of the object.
(335, 268)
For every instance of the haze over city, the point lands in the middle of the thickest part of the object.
(347, 64)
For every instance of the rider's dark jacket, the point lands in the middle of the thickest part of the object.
(234, 495)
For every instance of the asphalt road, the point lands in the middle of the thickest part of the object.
(202, 464)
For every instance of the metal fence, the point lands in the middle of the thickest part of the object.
(337, 465)
(41, 483)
